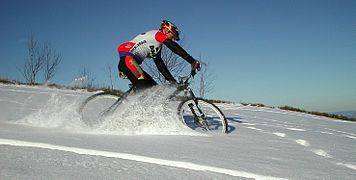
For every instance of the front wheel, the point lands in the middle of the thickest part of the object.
(201, 114)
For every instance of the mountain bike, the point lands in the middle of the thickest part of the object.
(194, 112)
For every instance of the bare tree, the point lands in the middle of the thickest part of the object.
(174, 63)
(38, 59)
(34, 61)
(205, 81)
(87, 79)
(51, 60)
(111, 73)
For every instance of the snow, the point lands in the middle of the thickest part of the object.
(43, 137)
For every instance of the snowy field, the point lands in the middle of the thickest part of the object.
(42, 137)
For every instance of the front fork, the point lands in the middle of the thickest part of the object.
(199, 119)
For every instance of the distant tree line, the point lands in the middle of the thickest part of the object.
(289, 108)
(318, 113)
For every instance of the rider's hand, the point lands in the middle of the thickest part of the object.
(196, 65)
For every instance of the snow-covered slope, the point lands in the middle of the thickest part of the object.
(42, 137)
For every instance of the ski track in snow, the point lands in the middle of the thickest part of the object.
(132, 157)
(295, 129)
(324, 132)
(351, 166)
(304, 143)
(351, 137)
(344, 134)
(280, 134)
(321, 152)
(255, 128)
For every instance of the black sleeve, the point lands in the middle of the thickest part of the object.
(177, 49)
(163, 68)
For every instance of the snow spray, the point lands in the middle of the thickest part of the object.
(58, 112)
(147, 112)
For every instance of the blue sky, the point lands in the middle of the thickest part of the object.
(300, 53)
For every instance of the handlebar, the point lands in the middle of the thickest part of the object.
(184, 81)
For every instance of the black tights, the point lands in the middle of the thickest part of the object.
(138, 83)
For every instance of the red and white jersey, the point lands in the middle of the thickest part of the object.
(145, 45)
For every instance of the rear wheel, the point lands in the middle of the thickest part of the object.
(207, 116)
(94, 108)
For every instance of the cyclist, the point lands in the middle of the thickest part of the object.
(149, 45)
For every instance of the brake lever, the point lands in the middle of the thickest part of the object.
(193, 73)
